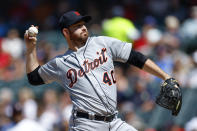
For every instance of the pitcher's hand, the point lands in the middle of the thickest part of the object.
(30, 41)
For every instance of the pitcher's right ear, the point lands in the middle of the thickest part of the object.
(66, 32)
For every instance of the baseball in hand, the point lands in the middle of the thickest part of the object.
(32, 31)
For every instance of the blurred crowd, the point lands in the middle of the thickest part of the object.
(164, 30)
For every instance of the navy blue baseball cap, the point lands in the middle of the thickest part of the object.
(72, 17)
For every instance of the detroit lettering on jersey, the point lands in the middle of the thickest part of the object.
(86, 67)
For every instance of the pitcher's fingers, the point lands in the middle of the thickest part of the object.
(26, 34)
(33, 38)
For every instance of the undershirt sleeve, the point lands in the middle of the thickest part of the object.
(34, 77)
(137, 59)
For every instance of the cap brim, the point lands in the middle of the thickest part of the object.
(86, 18)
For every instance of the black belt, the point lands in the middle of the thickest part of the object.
(95, 117)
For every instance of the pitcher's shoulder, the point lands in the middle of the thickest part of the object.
(105, 38)
(100, 37)
(62, 57)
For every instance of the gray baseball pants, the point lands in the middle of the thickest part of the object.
(83, 124)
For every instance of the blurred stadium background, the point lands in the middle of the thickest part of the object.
(164, 30)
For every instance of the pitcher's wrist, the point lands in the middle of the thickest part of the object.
(30, 50)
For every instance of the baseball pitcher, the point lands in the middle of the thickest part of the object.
(86, 71)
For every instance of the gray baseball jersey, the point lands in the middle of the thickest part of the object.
(88, 73)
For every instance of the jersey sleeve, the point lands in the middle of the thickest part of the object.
(120, 50)
(49, 71)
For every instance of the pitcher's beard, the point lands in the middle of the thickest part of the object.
(81, 39)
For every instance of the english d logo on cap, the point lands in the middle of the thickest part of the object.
(72, 17)
(77, 13)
